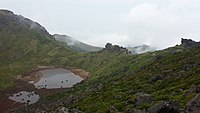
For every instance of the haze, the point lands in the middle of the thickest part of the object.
(159, 23)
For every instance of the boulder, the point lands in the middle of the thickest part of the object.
(165, 107)
(156, 78)
(62, 110)
(143, 99)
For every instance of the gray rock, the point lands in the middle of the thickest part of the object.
(165, 107)
(156, 78)
(189, 43)
(116, 48)
(62, 110)
(143, 99)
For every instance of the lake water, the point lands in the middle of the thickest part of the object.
(51, 79)
(57, 78)
(25, 97)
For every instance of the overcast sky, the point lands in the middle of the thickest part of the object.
(159, 23)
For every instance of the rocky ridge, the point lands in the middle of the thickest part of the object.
(189, 43)
(8, 17)
(116, 48)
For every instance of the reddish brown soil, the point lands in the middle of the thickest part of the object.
(21, 84)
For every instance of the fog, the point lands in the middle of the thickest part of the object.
(158, 23)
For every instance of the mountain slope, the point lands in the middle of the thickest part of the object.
(24, 47)
(75, 44)
(164, 80)
(155, 82)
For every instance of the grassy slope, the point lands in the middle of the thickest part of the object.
(23, 49)
(116, 78)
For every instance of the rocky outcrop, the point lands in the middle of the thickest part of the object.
(189, 43)
(116, 48)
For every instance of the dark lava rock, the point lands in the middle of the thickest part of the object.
(165, 107)
(116, 48)
(189, 43)
(156, 78)
(143, 99)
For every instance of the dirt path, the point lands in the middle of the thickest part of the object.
(21, 84)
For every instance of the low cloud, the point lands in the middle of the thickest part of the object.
(154, 23)
(163, 25)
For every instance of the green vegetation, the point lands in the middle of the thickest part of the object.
(115, 78)
(23, 49)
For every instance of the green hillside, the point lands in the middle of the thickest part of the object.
(118, 82)
(23, 49)
(117, 79)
